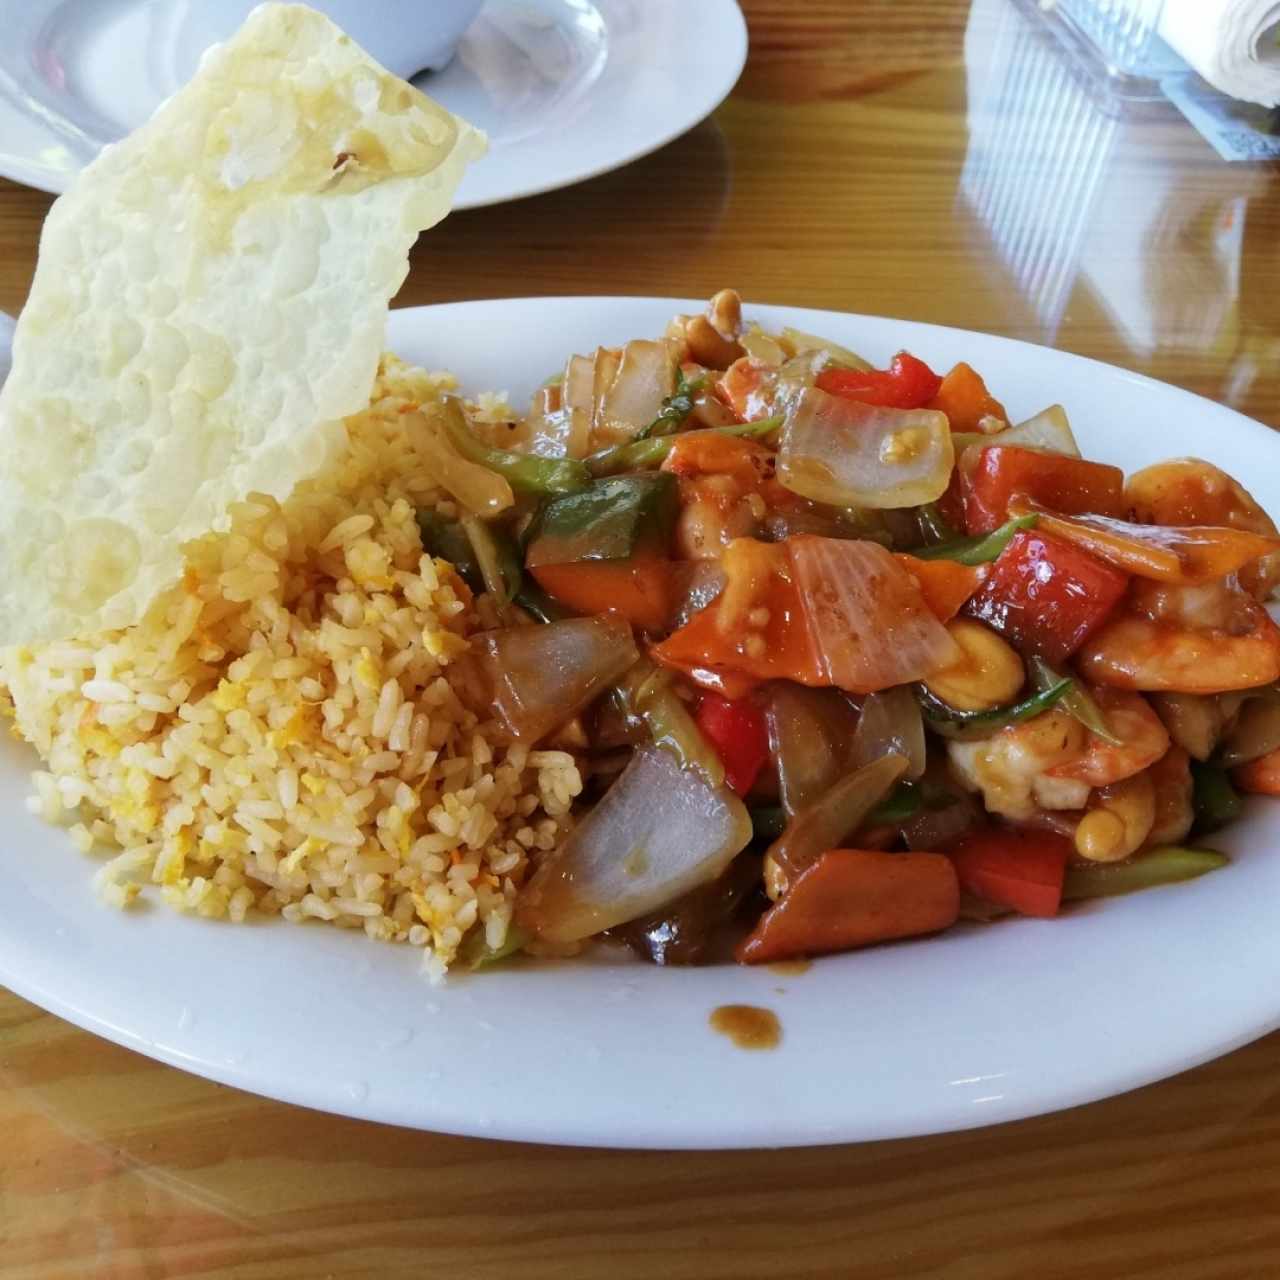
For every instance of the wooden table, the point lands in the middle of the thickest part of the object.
(877, 156)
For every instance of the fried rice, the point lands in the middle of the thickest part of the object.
(283, 734)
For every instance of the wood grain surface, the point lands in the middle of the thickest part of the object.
(877, 156)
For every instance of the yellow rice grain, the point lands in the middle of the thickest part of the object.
(281, 734)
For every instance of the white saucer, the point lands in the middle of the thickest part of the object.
(566, 89)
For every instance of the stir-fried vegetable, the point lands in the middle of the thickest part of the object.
(638, 454)
(891, 722)
(1047, 596)
(1216, 802)
(848, 453)
(638, 393)
(675, 408)
(660, 831)
(686, 931)
(852, 898)
(538, 677)
(1149, 870)
(811, 735)
(1187, 556)
(982, 548)
(908, 383)
(963, 726)
(523, 472)
(908, 800)
(866, 603)
(607, 547)
(946, 585)
(737, 731)
(646, 693)
(1022, 870)
(447, 540)
(477, 487)
(834, 817)
(534, 601)
(495, 557)
(870, 624)
(964, 398)
(1075, 699)
(1063, 484)
(802, 343)
(1049, 430)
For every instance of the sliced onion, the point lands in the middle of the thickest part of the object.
(802, 343)
(1050, 429)
(630, 393)
(577, 387)
(870, 624)
(1256, 733)
(660, 831)
(811, 733)
(859, 455)
(552, 429)
(938, 828)
(762, 346)
(698, 583)
(891, 721)
(834, 818)
(692, 929)
(541, 676)
(826, 522)
(480, 490)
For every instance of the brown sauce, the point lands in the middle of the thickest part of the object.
(790, 968)
(748, 1026)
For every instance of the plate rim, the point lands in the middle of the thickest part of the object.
(725, 14)
(936, 1117)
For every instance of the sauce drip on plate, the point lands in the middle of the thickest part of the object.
(747, 1025)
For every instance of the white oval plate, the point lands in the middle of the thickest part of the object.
(981, 1025)
(565, 89)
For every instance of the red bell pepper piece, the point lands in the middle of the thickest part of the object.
(1047, 596)
(853, 898)
(907, 383)
(738, 732)
(1023, 870)
(1071, 486)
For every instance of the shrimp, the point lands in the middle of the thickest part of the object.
(1203, 639)
(1013, 767)
(713, 512)
(1053, 762)
(1188, 491)
(1143, 738)
(727, 486)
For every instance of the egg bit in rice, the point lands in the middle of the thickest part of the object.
(220, 630)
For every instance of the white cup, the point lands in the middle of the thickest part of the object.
(406, 36)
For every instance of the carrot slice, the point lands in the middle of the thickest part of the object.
(1186, 555)
(964, 398)
(639, 589)
(945, 584)
(853, 898)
